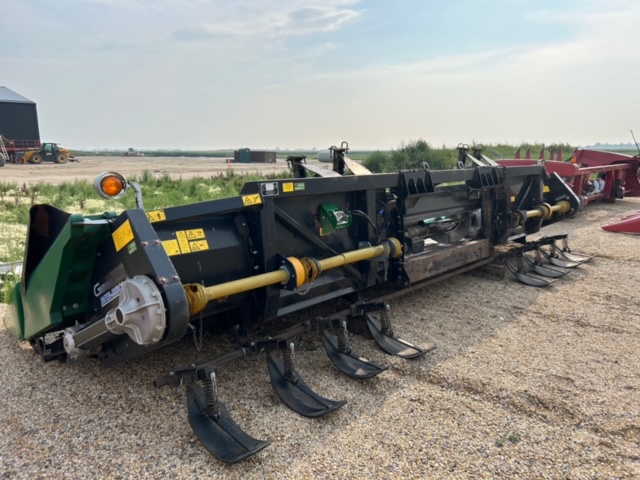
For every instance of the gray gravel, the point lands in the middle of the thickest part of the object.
(525, 383)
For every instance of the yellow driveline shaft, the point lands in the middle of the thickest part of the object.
(545, 210)
(199, 295)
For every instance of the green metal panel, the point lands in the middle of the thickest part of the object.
(14, 318)
(56, 293)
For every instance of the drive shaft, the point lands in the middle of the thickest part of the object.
(199, 295)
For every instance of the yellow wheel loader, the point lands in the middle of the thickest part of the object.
(49, 152)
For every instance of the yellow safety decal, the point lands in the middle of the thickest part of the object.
(156, 216)
(199, 245)
(122, 236)
(183, 242)
(254, 199)
(546, 189)
(172, 247)
(513, 199)
(287, 187)
(195, 234)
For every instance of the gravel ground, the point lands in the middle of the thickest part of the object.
(525, 383)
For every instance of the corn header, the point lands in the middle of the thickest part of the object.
(114, 287)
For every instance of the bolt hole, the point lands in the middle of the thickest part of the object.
(119, 316)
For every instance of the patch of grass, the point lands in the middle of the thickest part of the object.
(7, 284)
(511, 438)
(414, 153)
(79, 197)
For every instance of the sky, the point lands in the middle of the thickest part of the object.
(209, 74)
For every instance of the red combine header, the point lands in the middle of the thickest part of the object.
(595, 175)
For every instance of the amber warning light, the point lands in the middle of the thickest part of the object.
(110, 185)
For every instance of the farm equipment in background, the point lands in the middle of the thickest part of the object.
(49, 152)
(32, 151)
(596, 175)
(117, 286)
(629, 224)
(13, 151)
(4, 155)
(338, 158)
(593, 174)
(131, 152)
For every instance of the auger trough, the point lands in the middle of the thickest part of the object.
(114, 287)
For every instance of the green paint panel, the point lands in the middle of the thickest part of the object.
(56, 293)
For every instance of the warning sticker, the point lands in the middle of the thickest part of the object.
(199, 245)
(122, 236)
(195, 234)
(156, 216)
(299, 186)
(287, 187)
(269, 188)
(171, 247)
(183, 242)
(251, 199)
(187, 241)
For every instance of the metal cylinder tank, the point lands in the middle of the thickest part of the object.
(325, 156)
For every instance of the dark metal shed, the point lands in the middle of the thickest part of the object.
(18, 117)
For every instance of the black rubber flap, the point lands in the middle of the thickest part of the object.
(528, 279)
(221, 436)
(297, 395)
(573, 257)
(349, 363)
(394, 346)
(545, 271)
(559, 262)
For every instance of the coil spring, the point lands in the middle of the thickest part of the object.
(343, 339)
(385, 322)
(210, 387)
(287, 357)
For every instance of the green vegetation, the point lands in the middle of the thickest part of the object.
(79, 196)
(511, 438)
(416, 152)
(7, 283)
(412, 155)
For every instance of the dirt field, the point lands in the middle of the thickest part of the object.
(525, 383)
(88, 167)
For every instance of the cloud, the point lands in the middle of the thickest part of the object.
(270, 72)
(578, 90)
(302, 20)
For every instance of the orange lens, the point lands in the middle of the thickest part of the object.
(111, 186)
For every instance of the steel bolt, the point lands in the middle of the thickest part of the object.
(162, 280)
